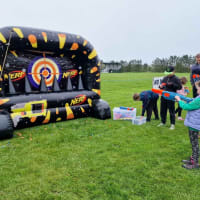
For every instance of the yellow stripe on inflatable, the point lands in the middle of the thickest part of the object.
(33, 40)
(19, 32)
(97, 91)
(82, 109)
(94, 69)
(2, 38)
(62, 39)
(44, 34)
(90, 102)
(2, 101)
(93, 54)
(14, 53)
(85, 42)
(58, 119)
(70, 114)
(47, 119)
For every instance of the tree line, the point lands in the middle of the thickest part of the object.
(181, 64)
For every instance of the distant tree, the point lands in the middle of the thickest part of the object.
(103, 66)
(182, 64)
(159, 65)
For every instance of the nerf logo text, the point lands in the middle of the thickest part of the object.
(15, 75)
(80, 99)
(72, 73)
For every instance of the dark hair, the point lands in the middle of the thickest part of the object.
(136, 96)
(183, 80)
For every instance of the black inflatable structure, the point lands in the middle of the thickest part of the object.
(47, 76)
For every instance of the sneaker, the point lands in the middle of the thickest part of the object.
(172, 127)
(192, 166)
(161, 124)
(180, 118)
(190, 161)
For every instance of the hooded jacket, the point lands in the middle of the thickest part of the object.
(171, 83)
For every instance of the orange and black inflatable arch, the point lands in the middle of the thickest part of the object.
(47, 76)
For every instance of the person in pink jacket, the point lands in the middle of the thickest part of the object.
(183, 91)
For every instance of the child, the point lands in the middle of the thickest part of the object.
(193, 123)
(183, 91)
(149, 100)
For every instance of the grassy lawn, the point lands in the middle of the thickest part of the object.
(100, 160)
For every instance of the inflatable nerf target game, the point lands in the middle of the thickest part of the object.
(47, 76)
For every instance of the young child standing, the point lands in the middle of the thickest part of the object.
(193, 123)
(183, 91)
(149, 103)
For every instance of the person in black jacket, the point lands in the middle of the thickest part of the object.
(195, 69)
(169, 83)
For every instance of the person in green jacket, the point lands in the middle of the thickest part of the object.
(192, 121)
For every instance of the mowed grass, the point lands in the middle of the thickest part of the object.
(93, 159)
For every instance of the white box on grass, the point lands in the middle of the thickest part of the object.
(124, 113)
(138, 120)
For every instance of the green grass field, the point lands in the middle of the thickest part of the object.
(93, 159)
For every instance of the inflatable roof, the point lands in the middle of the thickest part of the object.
(47, 76)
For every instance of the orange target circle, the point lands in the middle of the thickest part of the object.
(46, 67)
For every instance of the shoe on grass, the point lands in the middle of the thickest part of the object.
(192, 166)
(172, 127)
(190, 161)
(161, 124)
(180, 118)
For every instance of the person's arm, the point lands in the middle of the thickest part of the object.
(163, 83)
(177, 84)
(191, 79)
(193, 105)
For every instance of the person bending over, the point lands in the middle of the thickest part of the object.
(149, 103)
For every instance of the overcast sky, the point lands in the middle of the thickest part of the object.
(118, 29)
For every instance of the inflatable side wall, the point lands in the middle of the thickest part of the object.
(47, 76)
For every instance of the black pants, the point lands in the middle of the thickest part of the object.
(167, 104)
(194, 90)
(193, 135)
(152, 106)
(179, 111)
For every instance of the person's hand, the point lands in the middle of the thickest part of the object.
(177, 98)
(162, 85)
(141, 117)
